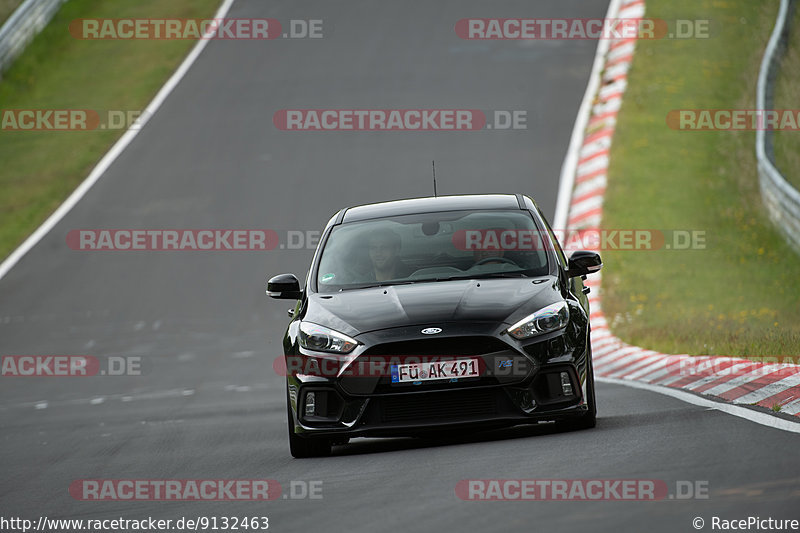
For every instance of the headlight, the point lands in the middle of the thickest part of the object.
(546, 319)
(322, 339)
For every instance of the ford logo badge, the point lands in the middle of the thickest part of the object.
(431, 331)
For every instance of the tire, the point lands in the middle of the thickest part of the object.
(301, 447)
(589, 419)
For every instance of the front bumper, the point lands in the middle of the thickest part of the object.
(528, 390)
(413, 414)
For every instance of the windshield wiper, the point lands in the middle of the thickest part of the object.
(486, 275)
(373, 286)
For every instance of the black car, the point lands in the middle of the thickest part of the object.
(434, 315)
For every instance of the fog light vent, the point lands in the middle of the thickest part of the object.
(311, 404)
(566, 385)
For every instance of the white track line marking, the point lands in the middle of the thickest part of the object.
(735, 410)
(111, 155)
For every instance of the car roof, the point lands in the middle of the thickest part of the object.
(432, 204)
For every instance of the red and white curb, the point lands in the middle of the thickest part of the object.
(737, 381)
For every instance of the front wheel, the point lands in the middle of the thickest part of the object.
(300, 447)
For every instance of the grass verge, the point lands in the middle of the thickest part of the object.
(40, 169)
(739, 296)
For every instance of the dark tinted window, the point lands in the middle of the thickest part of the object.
(432, 246)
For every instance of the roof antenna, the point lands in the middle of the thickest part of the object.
(433, 162)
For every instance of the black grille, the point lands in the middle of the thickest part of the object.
(439, 406)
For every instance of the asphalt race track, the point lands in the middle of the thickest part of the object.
(210, 406)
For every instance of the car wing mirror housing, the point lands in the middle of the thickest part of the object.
(583, 262)
(284, 287)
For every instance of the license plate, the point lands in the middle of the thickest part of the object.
(460, 368)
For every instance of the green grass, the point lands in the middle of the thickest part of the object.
(40, 169)
(740, 296)
(787, 96)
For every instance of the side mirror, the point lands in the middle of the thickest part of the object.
(285, 287)
(583, 262)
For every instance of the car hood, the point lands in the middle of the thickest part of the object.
(486, 300)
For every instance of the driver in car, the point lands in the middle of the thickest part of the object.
(384, 248)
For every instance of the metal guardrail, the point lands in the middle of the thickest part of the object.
(22, 26)
(780, 197)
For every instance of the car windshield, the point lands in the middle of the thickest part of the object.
(432, 247)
